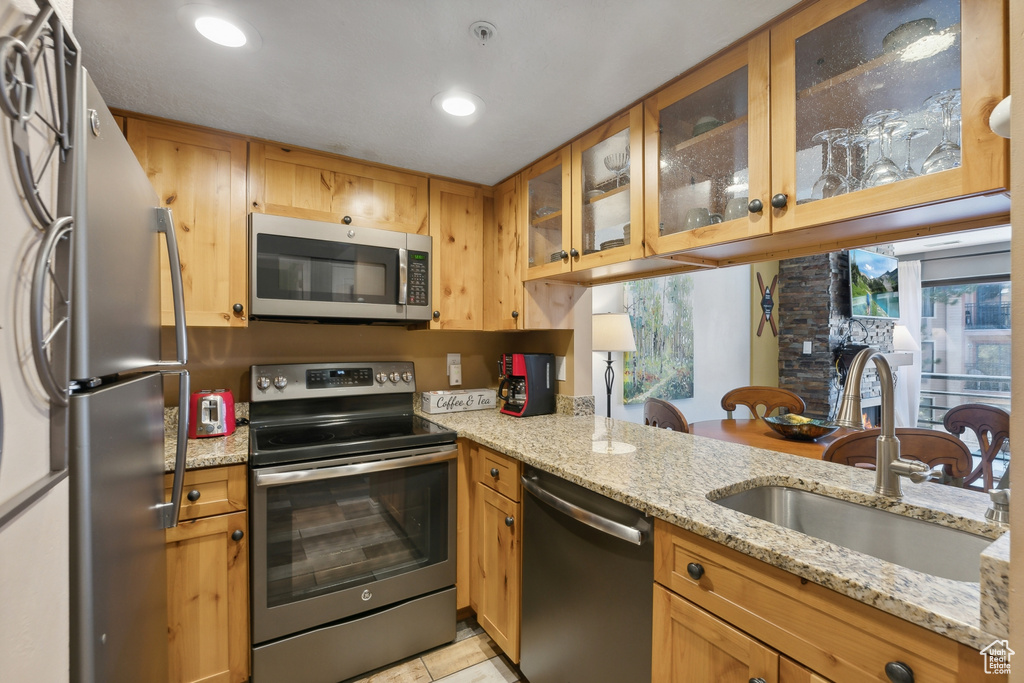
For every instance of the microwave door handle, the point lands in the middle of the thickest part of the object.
(403, 276)
(165, 225)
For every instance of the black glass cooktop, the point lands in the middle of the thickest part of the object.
(270, 444)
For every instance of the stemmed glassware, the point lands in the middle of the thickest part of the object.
(908, 171)
(830, 184)
(617, 163)
(883, 170)
(851, 140)
(946, 154)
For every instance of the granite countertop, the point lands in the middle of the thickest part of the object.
(210, 451)
(670, 476)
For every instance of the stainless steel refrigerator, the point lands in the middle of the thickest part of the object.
(82, 427)
(116, 410)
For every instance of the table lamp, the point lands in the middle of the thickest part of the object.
(612, 332)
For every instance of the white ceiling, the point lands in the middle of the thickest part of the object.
(356, 77)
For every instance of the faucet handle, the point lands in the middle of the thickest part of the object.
(927, 475)
(999, 496)
(999, 511)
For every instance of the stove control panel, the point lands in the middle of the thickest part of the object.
(312, 380)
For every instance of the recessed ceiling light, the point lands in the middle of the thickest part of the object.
(220, 27)
(458, 103)
(220, 31)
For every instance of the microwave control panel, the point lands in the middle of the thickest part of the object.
(419, 277)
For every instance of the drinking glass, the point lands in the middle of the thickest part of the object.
(830, 183)
(946, 154)
(851, 140)
(908, 171)
(883, 170)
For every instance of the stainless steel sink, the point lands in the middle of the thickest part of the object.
(912, 543)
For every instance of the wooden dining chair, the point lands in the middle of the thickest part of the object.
(991, 426)
(658, 413)
(768, 398)
(931, 447)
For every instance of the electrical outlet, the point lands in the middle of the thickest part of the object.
(453, 359)
(455, 374)
(807, 348)
(560, 368)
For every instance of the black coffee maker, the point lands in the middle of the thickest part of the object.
(527, 383)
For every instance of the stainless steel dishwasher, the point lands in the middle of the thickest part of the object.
(588, 572)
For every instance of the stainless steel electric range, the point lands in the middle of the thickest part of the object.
(352, 514)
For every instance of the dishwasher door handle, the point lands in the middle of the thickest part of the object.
(595, 521)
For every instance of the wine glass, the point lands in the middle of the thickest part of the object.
(946, 154)
(908, 171)
(617, 163)
(883, 170)
(852, 140)
(830, 183)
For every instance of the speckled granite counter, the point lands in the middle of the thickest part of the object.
(671, 475)
(210, 451)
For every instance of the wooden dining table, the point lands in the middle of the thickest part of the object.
(757, 433)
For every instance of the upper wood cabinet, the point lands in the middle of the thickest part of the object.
(303, 184)
(503, 285)
(545, 216)
(707, 153)
(851, 79)
(200, 176)
(456, 231)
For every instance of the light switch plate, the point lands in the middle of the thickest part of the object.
(455, 375)
(807, 348)
(453, 359)
(560, 368)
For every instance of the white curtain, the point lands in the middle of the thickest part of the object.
(908, 383)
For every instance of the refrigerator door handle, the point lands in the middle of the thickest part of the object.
(169, 511)
(41, 339)
(165, 220)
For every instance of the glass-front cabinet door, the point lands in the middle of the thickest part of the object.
(607, 193)
(546, 216)
(707, 153)
(884, 104)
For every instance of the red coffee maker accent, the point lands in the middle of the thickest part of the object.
(527, 384)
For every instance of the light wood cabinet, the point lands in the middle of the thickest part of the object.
(200, 176)
(303, 184)
(456, 231)
(497, 551)
(835, 637)
(503, 284)
(465, 519)
(208, 584)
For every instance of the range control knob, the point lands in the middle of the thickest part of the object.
(395, 377)
(406, 376)
(262, 383)
(280, 381)
(382, 377)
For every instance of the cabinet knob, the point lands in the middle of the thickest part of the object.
(755, 206)
(563, 254)
(494, 472)
(780, 200)
(898, 672)
(509, 521)
(695, 571)
(757, 680)
(193, 495)
(574, 252)
(437, 315)
(347, 220)
(515, 314)
(238, 535)
(238, 308)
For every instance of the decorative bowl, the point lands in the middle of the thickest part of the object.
(800, 428)
(905, 34)
(704, 124)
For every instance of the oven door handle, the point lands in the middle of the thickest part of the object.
(296, 476)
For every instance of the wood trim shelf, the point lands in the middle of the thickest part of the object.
(608, 193)
(536, 222)
(712, 134)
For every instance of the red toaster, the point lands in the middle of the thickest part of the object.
(211, 413)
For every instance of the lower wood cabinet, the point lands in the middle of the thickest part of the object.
(208, 593)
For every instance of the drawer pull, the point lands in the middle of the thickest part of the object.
(193, 495)
(238, 535)
(509, 521)
(695, 571)
(494, 472)
(898, 672)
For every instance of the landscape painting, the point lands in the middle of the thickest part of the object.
(661, 313)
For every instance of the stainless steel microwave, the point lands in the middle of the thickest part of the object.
(322, 271)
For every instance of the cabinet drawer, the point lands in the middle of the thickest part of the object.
(499, 472)
(836, 636)
(217, 490)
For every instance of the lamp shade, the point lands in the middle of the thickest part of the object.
(613, 332)
(902, 340)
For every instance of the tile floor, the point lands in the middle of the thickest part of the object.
(471, 658)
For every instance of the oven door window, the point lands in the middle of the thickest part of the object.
(335, 534)
(303, 269)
